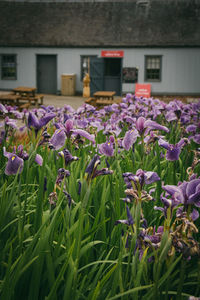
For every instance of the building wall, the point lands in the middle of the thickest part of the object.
(180, 67)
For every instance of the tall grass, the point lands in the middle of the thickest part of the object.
(74, 250)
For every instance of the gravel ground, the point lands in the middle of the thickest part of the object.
(77, 101)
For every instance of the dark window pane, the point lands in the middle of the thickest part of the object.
(8, 67)
(153, 68)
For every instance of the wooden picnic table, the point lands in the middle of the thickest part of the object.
(28, 94)
(9, 99)
(104, 95)
(25, 91)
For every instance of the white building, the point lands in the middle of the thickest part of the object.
(123, 42)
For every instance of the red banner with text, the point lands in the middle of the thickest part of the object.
(143, 90)
(112, 53)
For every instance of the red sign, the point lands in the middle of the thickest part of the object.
(143, 90)
(105, 53)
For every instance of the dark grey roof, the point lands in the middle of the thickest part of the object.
(136, 23)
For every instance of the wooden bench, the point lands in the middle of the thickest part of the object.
(9, 99)
(90, 101)
(101, 102)
(35, 100)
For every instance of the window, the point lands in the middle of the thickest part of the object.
(153, 68)
(85, 61)
(8, 66)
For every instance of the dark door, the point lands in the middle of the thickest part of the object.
(96, 75)
(47, 74)
(112, 75)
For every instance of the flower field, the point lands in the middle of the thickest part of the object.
(100, 204)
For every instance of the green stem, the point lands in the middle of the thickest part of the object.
(174, 172)
(159, 184)
(181, 280)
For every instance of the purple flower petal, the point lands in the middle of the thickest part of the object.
(130, 218)
(194, 199)
(14, 164)
(69, 126)
(85, 134)
(58, 139)
(106, 149)
(194, 215)
(33, 121)
(46, 119)
(150, 177)
(191, 187)
(140, 124)
(173, 153)
(129, 139)
(153, 125)
(39, 159)
(164, 144)
(3, 109)
(196, 138)
(191, 128)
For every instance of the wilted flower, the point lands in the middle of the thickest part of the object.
(67, 156)
(91, 170)
(52, 200)
(62, 173)
(182, 237)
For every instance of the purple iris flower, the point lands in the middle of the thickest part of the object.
(11, 122)
(36, 123)
(186, 193)
(191, 128)
(3, 109)
(67, 156)
(141, 177)
(14, 164)
(142, 124)
(129, 139)
(58, 139)
(106, 149)
(196, 138)
(16, 161)
(173, 151)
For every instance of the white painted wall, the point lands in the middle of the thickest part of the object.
(180, 67)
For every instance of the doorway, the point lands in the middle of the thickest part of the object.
(47, 74)
(106, 75)
(112, 74)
